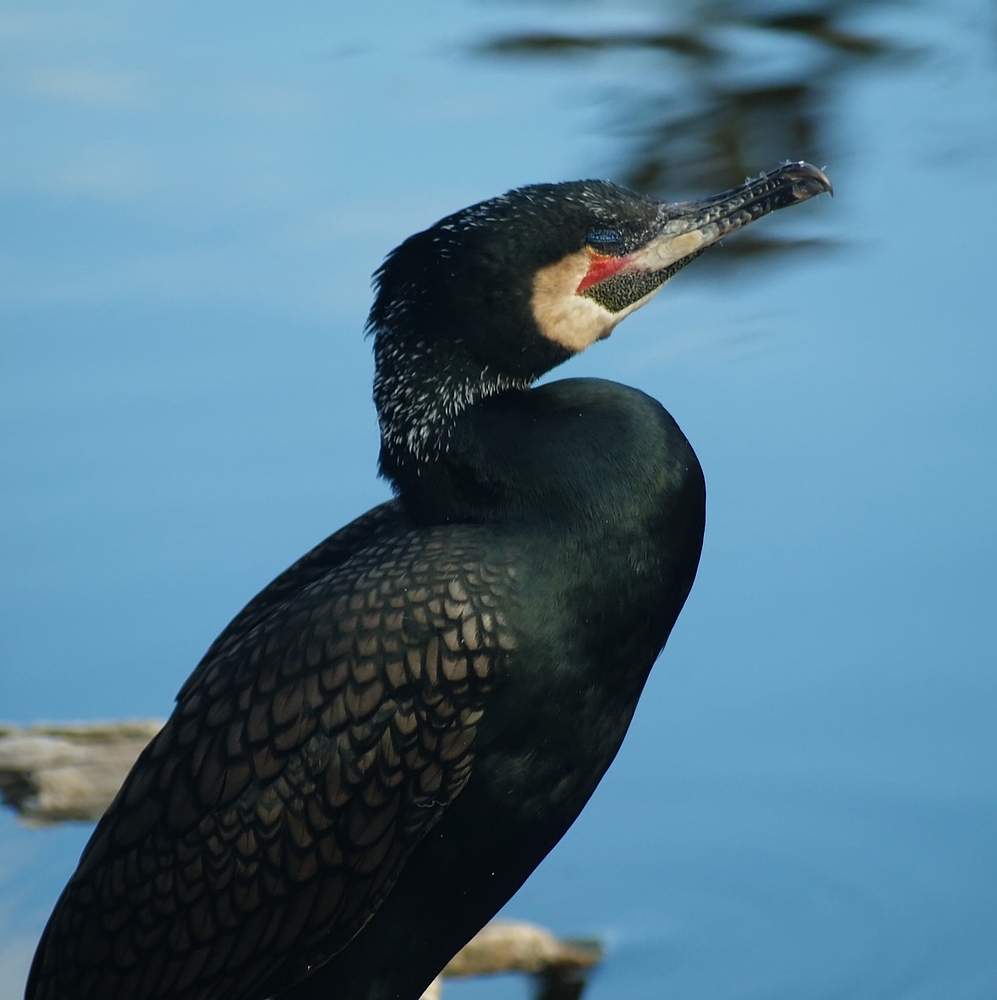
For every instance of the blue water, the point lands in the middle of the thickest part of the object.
(192, 199)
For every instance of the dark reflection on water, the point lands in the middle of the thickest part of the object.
(738, 88)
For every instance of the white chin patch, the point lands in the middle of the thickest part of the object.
(574, 321)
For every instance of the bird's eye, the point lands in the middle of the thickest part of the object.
(605, 240)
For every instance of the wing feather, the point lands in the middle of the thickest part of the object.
(307, 756)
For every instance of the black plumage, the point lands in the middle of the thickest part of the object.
(386, 741)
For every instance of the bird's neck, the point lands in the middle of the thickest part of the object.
(419, 395)
(579, 454)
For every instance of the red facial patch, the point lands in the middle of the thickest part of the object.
(601, 266)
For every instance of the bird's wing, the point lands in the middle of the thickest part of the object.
(262, 827)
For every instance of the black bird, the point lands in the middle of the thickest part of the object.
(387, 740)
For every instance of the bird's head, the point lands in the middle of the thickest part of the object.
(492, 297)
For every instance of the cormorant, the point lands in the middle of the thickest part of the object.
(386, 741)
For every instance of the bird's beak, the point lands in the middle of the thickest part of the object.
(688, 228)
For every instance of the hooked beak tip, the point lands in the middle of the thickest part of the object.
(812, 179)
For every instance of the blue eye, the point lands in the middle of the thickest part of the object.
(605, 239)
